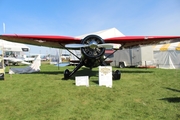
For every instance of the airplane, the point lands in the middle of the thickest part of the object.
(92, 46)
(16, 61)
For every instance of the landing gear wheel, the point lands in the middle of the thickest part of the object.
(117, 75)
(66, 74)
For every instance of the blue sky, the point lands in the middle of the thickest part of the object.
(77, 17)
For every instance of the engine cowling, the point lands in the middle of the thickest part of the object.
(92, 52)
(92, 55)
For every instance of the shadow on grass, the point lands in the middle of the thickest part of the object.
(86, 72)
(81, 72)
(45, 72)
(49, 72)
(172, 89)
(96, 82)
(136, 71)
(172, 99)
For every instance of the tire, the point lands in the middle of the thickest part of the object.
(117, 75)
(66, 74)
(121, 65)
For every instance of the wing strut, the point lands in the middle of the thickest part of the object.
(110, 55)
(70, 51)
(114, 51)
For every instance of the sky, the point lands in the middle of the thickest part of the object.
(78, 17)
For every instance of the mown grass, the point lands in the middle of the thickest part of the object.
(141, 94)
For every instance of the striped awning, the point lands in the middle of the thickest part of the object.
(169, 46)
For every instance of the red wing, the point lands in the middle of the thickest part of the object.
(55, 41)
(130, 41)
(41, 40)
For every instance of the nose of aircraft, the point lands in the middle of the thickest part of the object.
(93, 44)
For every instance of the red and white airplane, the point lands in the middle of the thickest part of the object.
(92, 46)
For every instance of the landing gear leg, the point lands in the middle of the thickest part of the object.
(103, 63)
(68, 74)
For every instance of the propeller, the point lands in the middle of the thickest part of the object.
(93, 46)
(76, 45)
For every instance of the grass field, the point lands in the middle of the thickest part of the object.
(152, 94)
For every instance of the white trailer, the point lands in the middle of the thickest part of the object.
(12, 48)
(137, 56)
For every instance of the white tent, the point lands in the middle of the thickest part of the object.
(167, 56)
(34, 67)
(113, 32)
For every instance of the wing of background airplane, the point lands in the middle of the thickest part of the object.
(60, 41)
(16, 60)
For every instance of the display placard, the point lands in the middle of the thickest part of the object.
(105, 76)
(82, 81)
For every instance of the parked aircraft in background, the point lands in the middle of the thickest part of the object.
(16, 60)
(92, 46)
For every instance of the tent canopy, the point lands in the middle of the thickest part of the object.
(112, 32)
(167, 56)
(169, 46)
(34, 67)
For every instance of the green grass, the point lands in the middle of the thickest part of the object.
(141, 94)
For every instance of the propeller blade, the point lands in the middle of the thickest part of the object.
(76, 45)
(105, 45)
(110, 45)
